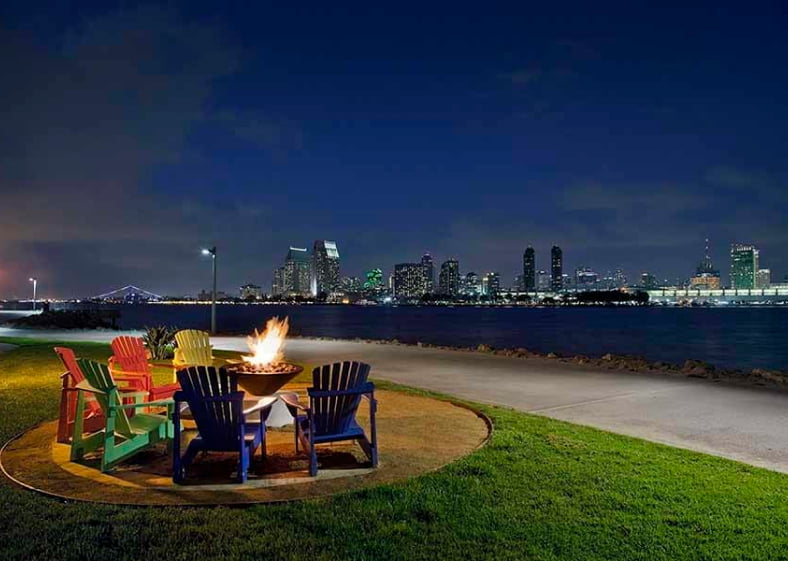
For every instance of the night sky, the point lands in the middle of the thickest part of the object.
(624, 132)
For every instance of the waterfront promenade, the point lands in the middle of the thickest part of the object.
(741, 423)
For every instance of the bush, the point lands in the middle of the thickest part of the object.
(160, 341)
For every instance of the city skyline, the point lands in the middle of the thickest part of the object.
(133, 137)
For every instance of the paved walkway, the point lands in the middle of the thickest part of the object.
(746, 424)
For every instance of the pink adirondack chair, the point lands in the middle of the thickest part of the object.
(130, 359)
(94, 417)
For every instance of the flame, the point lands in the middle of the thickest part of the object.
(267, 347)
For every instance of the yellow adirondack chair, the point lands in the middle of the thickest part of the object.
(194, 349)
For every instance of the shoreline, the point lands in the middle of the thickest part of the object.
(691, 368)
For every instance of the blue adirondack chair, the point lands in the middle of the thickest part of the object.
(331, 416)
(217, 408)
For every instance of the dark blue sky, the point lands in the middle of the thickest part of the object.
(625, 132)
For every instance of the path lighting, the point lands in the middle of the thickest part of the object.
(35, 287)
(212, 252)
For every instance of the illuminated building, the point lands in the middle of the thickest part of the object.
(251, 292)
(294, 278)
(491, 285)
(648, 281)
(373, 282)
(744, 265)
(409, 281)
(556, 269)
(706, 276)
(429, 273)
(471, 285)
(351, 284)
(542, 281)
(585, 278)
(529, 269)
(325, 267)
(763, 278)
(449, 278)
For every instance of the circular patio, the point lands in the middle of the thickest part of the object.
(415, 435)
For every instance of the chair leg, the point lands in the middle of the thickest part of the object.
(312, 457)
(295, 432)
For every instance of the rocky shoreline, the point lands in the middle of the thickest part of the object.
(691, 368)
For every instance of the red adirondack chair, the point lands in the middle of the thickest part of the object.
(130, 360)
(94, 417)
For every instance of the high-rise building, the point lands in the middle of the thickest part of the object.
(556, 269)
(373, 282)
(251, 292)
(491, 285)
(648, 281)
(542, 281)
(471, 286)
(350, 284)
(294, 278)
(529, 269)
(325, 267)
(763, 278)
(429, 273)
(706, 276)
(586, 279)
(744, 265)
(409, 281)
(449, 278)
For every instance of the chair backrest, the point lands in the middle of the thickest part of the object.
(69, 360)
(214, 402)
(332, 415)
(130, 354)
(100, 378)
(195, 347)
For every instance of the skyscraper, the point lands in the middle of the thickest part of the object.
(744, 265)
(296, 274)
(556, 269)
(706, 276)
(429, 273)
(471, 285)
(409, 281)
(325, 267)
(763, 278)
(529, 269)
(449, 278)
(491, 285)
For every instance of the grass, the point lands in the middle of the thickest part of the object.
(542, 489)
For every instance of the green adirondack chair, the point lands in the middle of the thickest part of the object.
(123, 436)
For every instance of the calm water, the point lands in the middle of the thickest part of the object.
(727, 337)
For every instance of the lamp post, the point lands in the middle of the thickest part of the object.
(212, 252)
(34, 280)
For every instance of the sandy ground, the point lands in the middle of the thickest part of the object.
(742, 423)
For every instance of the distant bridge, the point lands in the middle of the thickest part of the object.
(129, 293)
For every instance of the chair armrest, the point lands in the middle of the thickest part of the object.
(291, 400)
(159, 403)
(261, 405)
(367, 388)
(84, 386)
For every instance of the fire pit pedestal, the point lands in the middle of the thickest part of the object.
(265, 381)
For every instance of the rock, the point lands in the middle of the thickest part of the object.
(552, 355)
(698, 369)
(608, 356)
(482, 348)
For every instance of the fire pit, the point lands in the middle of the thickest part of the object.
(264, 380)
(264, 371)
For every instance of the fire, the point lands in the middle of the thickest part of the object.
(267, 347)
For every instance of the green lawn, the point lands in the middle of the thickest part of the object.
(542, 489)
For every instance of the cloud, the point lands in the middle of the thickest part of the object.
(87, 123)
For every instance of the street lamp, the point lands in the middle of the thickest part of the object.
(212, 252)
(35, 286)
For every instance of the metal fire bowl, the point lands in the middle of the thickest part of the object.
(263, 383)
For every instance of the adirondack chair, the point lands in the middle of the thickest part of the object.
(194, 348)
(217, 408)
(93, 419)
(122, 436)
(331, 416)
(130, 359)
